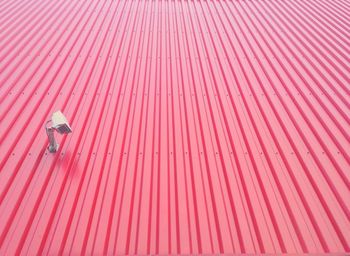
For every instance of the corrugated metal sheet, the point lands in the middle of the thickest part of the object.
(198, 126)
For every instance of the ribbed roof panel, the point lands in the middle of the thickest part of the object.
(211, 126)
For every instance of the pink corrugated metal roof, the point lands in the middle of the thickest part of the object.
(198, 126)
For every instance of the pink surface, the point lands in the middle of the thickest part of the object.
(198, 126)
